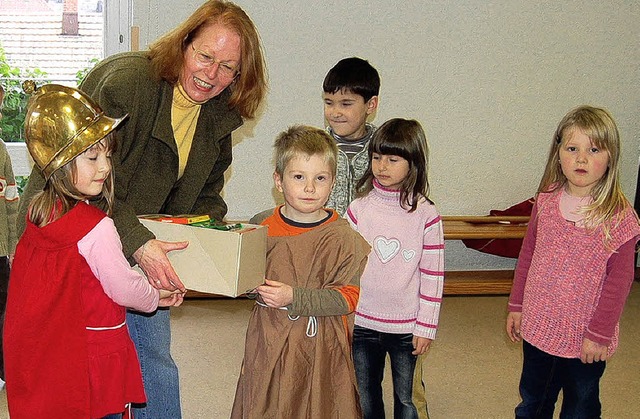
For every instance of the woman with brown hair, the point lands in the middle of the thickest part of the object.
(184, 97)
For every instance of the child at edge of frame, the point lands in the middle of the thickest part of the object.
(9, 200)
(401, 287)
(68, 352)
(297, 360)
(575, 270)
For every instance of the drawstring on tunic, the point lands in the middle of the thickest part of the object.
(312, 323)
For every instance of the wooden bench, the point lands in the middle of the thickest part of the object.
(475, 282)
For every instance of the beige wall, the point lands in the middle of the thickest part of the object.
(489, 80)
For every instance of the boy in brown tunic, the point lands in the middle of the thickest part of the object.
(297, 361)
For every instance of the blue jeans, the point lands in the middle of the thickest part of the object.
(544, 375)
(370, 349)
(151, 334)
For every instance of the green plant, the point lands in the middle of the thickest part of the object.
(15, 100)
(82, 73)
(21, 183)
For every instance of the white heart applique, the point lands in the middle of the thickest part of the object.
(385, 248)
(407, 255)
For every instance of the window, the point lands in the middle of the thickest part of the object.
(50, 41)
(57, 37)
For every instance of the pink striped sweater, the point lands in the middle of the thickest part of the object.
(401, 287)
(567, 284)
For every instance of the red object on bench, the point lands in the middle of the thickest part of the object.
(502, 247)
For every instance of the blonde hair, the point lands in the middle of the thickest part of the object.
(302, 139)
(404, 138)
(60, 195)
(250, 85)
(607, 195)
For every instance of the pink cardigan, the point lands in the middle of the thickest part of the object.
(567, 284)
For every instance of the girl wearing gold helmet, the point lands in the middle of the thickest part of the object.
(68, 352)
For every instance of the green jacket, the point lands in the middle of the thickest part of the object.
(145, 162)
(8, 204)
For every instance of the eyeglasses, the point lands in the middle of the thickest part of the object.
(225, 69)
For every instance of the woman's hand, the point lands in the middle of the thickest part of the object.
(152, 259)
(420, 345)
(275, 294)
(514, 320)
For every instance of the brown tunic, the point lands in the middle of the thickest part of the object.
(286, 373)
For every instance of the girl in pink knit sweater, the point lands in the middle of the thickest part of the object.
(574, 271)
(401, 287)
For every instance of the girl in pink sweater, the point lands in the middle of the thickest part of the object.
(574, 271)
(401, 287)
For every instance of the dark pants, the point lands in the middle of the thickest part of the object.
(370, 349)
(4, 285)
(544, 375)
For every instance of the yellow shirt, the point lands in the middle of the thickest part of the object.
(184, 117)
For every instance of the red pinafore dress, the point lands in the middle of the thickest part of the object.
(68, 353)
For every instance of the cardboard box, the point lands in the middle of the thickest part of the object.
(217, 262)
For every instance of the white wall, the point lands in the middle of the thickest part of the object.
(489, 81)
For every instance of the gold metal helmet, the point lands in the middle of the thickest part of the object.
(61, 123)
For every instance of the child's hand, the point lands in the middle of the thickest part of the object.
(514, 320)
(170, 298)
(420, 345)
(593, 352)
(275, 294)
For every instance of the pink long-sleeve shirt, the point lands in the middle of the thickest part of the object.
(102, 250)
(401, 287)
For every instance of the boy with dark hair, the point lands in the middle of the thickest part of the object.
(350, 95)
(351, 90)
